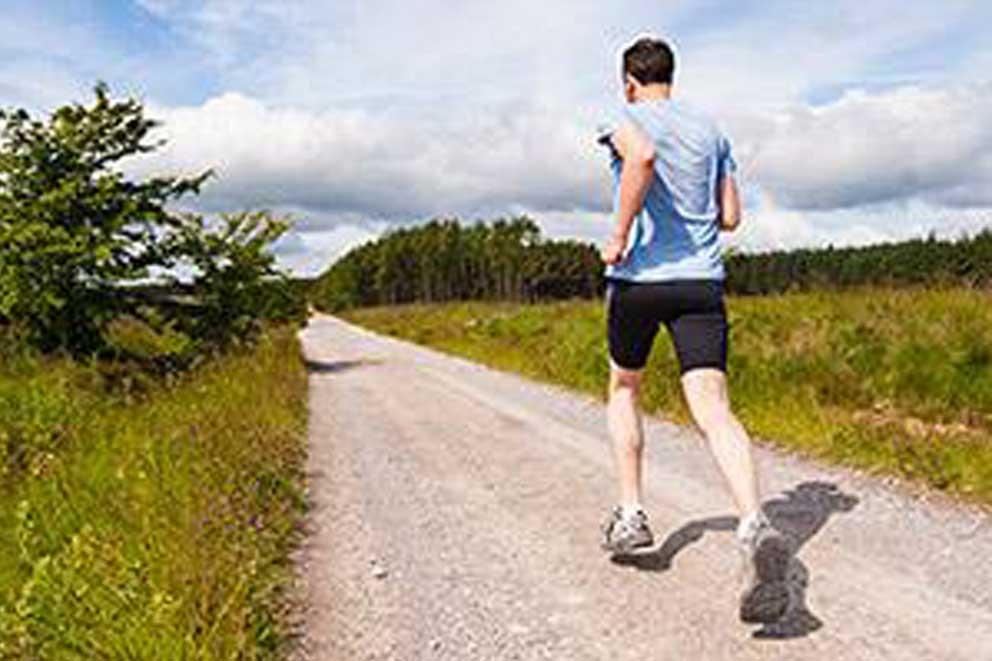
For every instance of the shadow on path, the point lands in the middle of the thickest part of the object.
(336, 366)
(798, 513)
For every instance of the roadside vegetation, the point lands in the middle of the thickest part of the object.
(152, 404)
(151, 528)
(893, 381)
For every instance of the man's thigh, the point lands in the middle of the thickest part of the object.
(631, 329)
(700, 331)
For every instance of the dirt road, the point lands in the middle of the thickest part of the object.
(456, 513)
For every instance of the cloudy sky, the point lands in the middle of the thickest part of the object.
(853, 121)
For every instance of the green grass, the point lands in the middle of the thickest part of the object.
(891, 381)
(151, 527)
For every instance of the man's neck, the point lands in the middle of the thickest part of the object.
(655, 92)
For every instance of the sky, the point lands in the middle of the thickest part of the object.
(853, 122)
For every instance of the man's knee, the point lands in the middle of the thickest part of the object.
(625, 381)
(706, 394)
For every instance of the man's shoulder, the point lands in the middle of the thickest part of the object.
(694, 113)
(675, 116)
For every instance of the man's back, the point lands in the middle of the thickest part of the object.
(676, 236)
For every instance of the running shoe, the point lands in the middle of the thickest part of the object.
(767, 554)
(624, 533)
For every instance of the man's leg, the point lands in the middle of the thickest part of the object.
(627, 527)
(630, 333)
(766, 595)
(627, 432)
(706, 393)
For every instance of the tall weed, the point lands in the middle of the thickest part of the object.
(161, 528)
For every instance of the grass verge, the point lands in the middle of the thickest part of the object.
(151, 529)
(896, 382)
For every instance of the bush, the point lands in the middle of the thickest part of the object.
(130, 337)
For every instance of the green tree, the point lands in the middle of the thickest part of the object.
(236, 284)
(77, 235)
(71, 224)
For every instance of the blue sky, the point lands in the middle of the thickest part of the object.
(854, 121)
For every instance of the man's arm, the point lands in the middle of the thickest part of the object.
(637, 171)
(729, 202)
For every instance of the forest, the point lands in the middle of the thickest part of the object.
(508, 259)
(443, 260)
(926, 262)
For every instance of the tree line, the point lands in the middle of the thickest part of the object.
(925, 262)
(443, 260)
(508, 259)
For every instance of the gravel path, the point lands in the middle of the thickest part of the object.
(456, 515)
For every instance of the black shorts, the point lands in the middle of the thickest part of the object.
(692, 310)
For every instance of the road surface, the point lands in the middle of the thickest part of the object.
(456, 515)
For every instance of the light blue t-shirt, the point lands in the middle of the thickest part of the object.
(676, 236)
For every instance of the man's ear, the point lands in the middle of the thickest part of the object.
(630, 86)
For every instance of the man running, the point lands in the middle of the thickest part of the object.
(675, 192)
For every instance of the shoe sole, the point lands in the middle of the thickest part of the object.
(627, 549)
(768, 599)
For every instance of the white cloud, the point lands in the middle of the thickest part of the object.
(587, 226)
(932, 144)
(383, 166)
(412, 54)
(766, 225)
(773, 54)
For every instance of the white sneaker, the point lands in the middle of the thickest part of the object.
(767, 553)
(624, 532)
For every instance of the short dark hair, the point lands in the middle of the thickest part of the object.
(649, 60)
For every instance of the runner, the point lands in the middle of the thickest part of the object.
(675, 191)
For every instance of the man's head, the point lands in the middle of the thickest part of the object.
(648, 67)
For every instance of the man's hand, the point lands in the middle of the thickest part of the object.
(613, 252)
